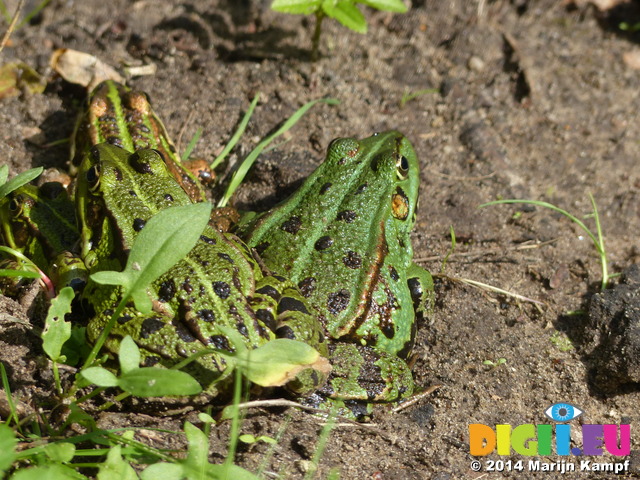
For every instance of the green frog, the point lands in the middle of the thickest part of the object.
(123, 117)
(218, 284)
(40, 223)
(344, 239)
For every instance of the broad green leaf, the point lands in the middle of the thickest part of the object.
(346, 13)
(108, 277)
(166, 238)
(128, 355)
(165, 471)
(19, 180)
(206, 418)
(54, 471)
(77, 346)
(100, 376)
(386, 5)
(304, 7)
(198, 451)
(62, 452)
(81, 417)
(115, 467)
(8, 443)
(228, 471)
(278, 361)
(248, 438)
(158, 382)
(56, 330)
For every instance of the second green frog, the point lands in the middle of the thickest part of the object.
(344, 239)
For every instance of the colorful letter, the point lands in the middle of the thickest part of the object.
(544, 439)
(482, 439)
(563, 438)
(522, 434)
(611, 439)
(503, 432)
(592, 439)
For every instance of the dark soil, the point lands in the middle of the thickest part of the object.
(532, 100)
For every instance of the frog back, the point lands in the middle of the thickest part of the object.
(344, 239)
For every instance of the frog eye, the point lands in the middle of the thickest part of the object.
(93, 177)
(402, 167)
(16, 206)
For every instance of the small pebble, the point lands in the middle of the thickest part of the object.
(476, 64)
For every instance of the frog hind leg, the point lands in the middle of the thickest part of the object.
(292, 319)
(163, 341)
(361, 377)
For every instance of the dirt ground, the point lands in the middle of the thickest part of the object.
(532, 99)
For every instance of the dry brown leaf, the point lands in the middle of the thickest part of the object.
(82, 68)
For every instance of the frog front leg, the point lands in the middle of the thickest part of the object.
(420, 283)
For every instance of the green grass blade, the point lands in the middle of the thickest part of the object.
(192, 144)
(236, 136)
(598, 241)
(5, 12)
(550, 206)
(7, 389)
(451, 249)
(407, 96)
(242, 170)
(18, 273)
(602, 250)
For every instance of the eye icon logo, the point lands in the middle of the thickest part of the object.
(562, 412)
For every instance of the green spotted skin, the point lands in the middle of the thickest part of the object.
(218, 284)
(344, 239)
(123, 117)
(43, 213)
(40, 223)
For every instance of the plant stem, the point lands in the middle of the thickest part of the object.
(315, 41)
(235, 418)
(603, 256)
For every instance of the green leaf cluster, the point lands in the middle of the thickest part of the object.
(344, 11)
